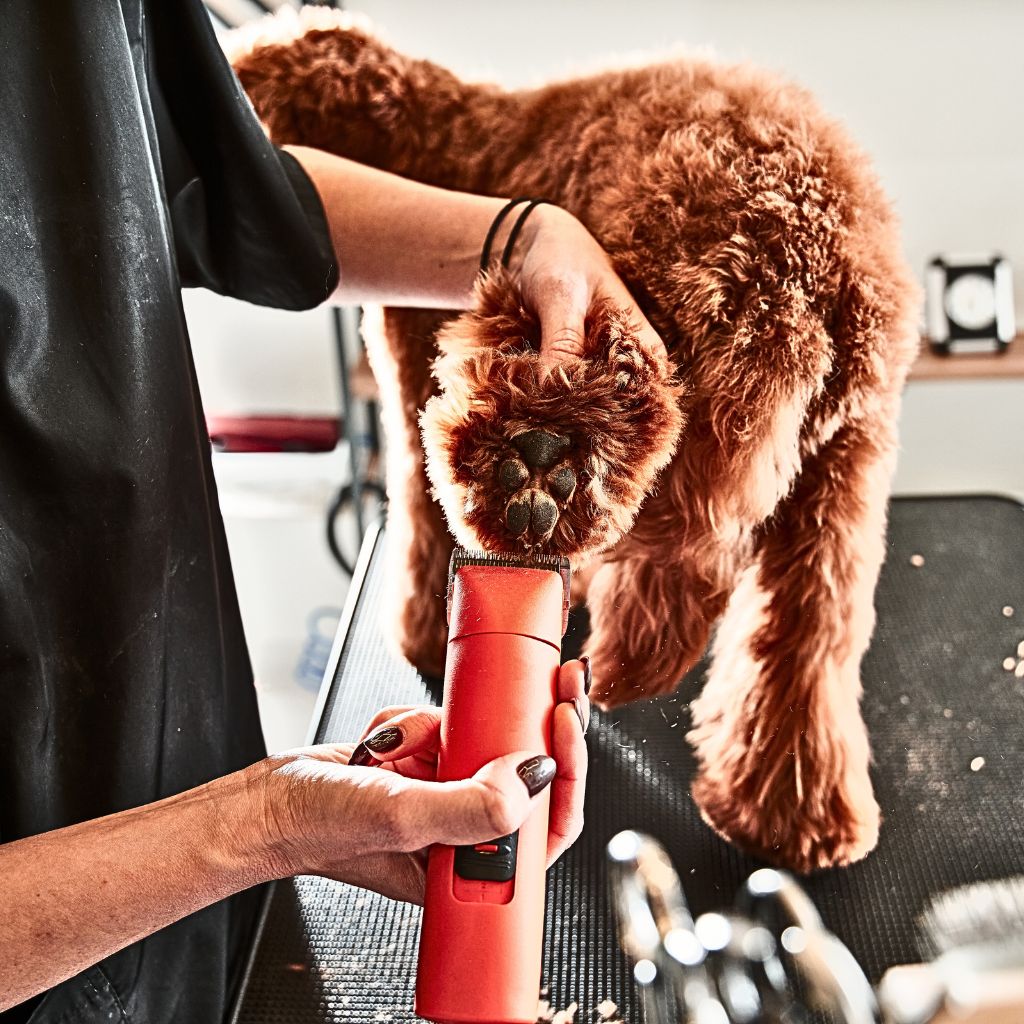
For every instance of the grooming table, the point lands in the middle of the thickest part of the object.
(936, 699)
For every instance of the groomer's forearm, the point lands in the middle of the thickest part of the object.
(399, 242)
(70, 897)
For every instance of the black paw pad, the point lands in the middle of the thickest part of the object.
(531, 514)
(512, 474)
(539, 449)
(561, 483)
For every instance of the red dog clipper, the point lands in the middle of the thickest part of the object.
(483, 915)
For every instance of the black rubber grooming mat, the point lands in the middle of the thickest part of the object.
(937, 697)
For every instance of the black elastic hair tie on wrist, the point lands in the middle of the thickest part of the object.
(485, 254)
(506, 254)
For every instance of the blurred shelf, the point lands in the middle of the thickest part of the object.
(992, 366)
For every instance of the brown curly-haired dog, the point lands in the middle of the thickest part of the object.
(757, 242)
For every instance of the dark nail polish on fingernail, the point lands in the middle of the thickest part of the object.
(384, 739)
(361, 757)
(588, 675)
(536, 773)
(578, 705)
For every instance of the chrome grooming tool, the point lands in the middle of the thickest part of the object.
(771, 960)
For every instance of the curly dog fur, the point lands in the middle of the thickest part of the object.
(632, 421)
(745, 487)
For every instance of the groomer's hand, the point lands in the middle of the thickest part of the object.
(365, 814)
(562, 270)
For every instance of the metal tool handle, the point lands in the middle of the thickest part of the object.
(746, 966)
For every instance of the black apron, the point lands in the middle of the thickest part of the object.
(130, 164)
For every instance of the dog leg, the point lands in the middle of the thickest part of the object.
(653, 607)
(400, 346)
(778, 732)
(636, 650)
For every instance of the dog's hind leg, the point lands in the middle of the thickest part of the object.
(400, 346)
(778, 732)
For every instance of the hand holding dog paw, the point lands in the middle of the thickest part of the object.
(562, 272)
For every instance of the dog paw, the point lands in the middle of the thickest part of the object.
(414, 624)
(560, 462)
(826, 829)
(540, 481)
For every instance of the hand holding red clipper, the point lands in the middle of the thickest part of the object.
(384, 793)
(475, 777)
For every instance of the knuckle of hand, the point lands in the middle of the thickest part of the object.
(568, 337)
(382, 812)
(564, 348)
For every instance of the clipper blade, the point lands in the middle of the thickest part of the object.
(551, 563)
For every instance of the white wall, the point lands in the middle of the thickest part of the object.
(965, 437)
(251, 359)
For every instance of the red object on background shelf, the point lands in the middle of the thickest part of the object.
(274, 433)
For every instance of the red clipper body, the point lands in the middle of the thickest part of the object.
(483, 915)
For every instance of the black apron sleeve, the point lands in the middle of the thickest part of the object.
(246, 219)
